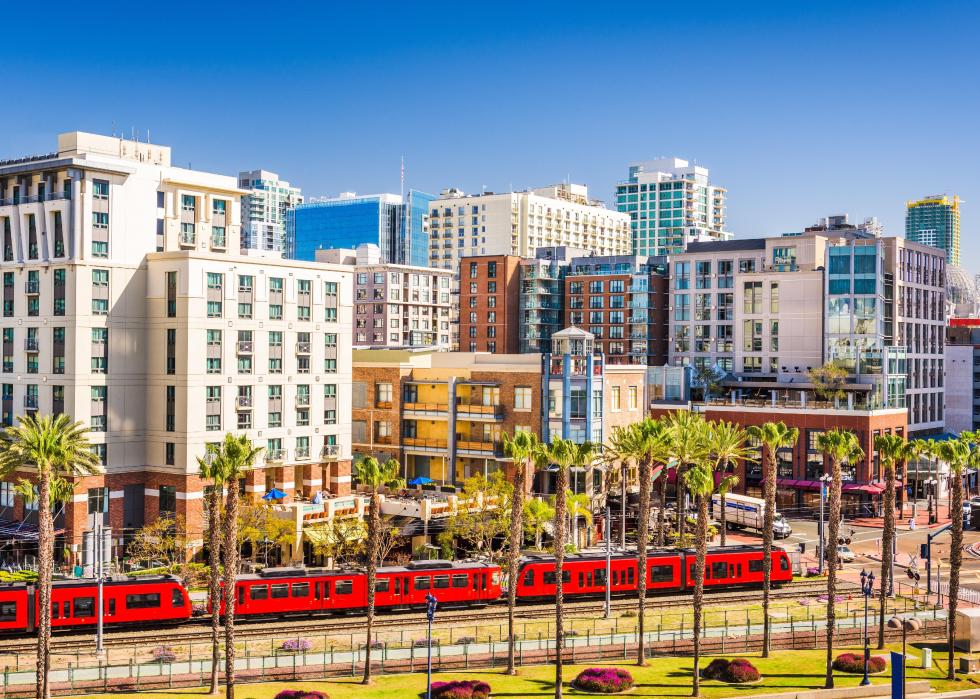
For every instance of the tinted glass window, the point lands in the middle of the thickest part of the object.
(755, 566)
(301, 589)
(279, 591)
(719, 570)
(441, 581)
(145, 601)
(661, 574)
(381, 585)
(259, 592)
(784, 564)
(8, 611)
(459, 580)
(176, 598)
(529, 577)
(84, 606)
(344, 587)
(422, 582)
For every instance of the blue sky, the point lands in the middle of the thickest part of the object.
(799, 109)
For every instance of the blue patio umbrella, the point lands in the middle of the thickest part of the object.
(274, 494)
(421, 480)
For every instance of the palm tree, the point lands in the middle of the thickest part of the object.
(537, 513)
(57, 448)
(373, 474)
(957, 453)
(564, 454)
(235, 457)
(773, 436)
(685, 446)
(578, 506)
(700, 481)
(522, 449)
(727, 445)
(621, 448)
(892, 449)
(211, 469)
(839, 446)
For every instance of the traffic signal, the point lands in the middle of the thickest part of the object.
(802, 545)
(923, 551)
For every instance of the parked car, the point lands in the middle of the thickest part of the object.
(844, 553)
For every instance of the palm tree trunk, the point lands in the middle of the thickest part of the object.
(887, 539)
(231, 573)
(514, 558)
(701, 555)
(662, 515)
(679, 504)
(769, 518)
(214, 580)
(622, 520)
(45, 570)
(955, 561)
(833, 533)
(724, 517)
(642, 535)
(374, 526)
(561, 485)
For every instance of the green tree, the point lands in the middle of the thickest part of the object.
(726, 445)
(773, 436)
(828, 381)
(259, 525)
(839, 446)
(537, 514)
(162, 542)
(373, 475)
(686, 446)
(480, 524)
(235, 456)
(522, 449)
(342, 539)
(700, 481)
(957, 454)
(578, 507)
(211, 473)
(892, 449)
(58, 449)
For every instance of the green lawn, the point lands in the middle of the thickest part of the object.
(664, 677)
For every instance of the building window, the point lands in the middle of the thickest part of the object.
(614, 398)
(633, 398)
(169, 453)
(171, 402)
(168, 500)
(522, 398)
(100, 350)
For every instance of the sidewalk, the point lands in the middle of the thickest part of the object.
(902, 519)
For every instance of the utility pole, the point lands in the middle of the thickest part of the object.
(608, 559)
(97, 536)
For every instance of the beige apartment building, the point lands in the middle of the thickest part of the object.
(128, 306)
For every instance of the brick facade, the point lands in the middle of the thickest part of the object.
(489, 304)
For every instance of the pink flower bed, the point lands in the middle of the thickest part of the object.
(461, 689)
(301, 694)
(734, 671)
(604, 680)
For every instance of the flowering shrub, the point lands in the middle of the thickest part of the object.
(301, 694)
(461, 689)
(296, 645)
(466, 640)
(605, 680)
(733, 671)
(424, 642)
(812, 571)
(854, 662)
(825, 598)
(164, 654)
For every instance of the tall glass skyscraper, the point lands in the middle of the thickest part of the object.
(935, 221)
(398, 225)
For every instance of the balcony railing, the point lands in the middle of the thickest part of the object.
(188, 238)
(382, 404)
(302, 399)
(302, 348)
(495, 411)
(244, 401)
(427, 444)
(33, 287)
(481, 447)
(34, 198)
(244, 347)
(275, 454)
(428, 408)
(330, 451)
(30, 402)
(302, 452)
(32, 344)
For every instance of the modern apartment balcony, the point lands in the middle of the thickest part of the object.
(32, 287)
(34, 198)
(244, 347)
(479, 412)
(302, 348)
(480, 448)
(245, 402)
(425, 409)
(275, 455)
(32, 344)
(218, 242)
(187, 240)
(330, 452)
(382, 404)
(302, 453)
(425, 446)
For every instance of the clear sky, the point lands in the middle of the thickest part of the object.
(800, 109)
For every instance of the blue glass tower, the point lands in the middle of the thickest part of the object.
(396, 225)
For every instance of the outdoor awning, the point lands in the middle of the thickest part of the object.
(865, 488)
(21, 531)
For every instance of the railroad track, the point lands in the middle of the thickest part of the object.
(199, 630)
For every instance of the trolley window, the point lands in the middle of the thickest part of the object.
(280, 591)
(382, 585)
(422, 582)
(258, 592)
(8, 611)
(84, 606)
(630, 575)
(755, 566)
(784, 563)
(600, 576)
(176, 598)
(529, 577)
(719, 569)
(551, 579)
(301, 589)
(441, 582)
(55, 613)
(662, 574)
(148, 600)
(460, 580)
(241, 596)
(112, 606)
(343, 587)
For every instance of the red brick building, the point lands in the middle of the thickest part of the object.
(489, 304)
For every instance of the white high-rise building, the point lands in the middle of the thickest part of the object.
(127, 305)
(671, 203)
(264, 209)
(517, 223)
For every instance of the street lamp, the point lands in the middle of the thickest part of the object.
(867, 586)
(905, 625)
(824, 480)
(930, 483)
(430, 614)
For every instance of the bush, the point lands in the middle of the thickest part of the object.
(424, 643)
(18, 576)
(296, 645)
(733, 671)
(466, 640)
(605, 680)
(164, 654)
(301, 694)
(461, 689)
(854, 663)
